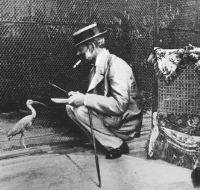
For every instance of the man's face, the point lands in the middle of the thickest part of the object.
(85, 52)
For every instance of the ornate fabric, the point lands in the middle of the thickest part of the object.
(169, 63)
(179, 145)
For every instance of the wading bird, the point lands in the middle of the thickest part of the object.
(25, 123)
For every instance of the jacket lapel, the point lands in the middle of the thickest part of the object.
(97, 78)
(100, 72)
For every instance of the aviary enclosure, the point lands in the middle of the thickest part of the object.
(37, 47)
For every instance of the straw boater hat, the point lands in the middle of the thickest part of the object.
(87, 33)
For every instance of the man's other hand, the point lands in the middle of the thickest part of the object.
(76, 99)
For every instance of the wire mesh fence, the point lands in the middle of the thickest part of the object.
(37, 45)
(179, 27)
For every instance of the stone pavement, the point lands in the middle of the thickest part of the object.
(76, 170)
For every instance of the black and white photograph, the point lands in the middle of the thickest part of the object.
(99, 94)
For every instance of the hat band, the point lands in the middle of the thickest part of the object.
(86, 35)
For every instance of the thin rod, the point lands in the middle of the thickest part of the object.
(154, 103)
(94, 144)
(58, 87)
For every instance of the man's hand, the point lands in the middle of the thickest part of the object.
(76, 99)
(72, 93)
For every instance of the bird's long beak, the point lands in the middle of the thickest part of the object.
(36, 102)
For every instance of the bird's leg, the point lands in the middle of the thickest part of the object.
(22, 140)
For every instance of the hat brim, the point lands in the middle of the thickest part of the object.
(90, 38)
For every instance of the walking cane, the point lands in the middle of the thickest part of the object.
(94, 144)
(93, 136)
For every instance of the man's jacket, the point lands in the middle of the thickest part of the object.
(113, 95)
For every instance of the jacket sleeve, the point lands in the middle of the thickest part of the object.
(120, 78)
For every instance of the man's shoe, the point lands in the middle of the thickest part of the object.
(117, 152)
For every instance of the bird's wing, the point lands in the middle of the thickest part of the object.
(15, 130)
(20, 126)
(26, 121)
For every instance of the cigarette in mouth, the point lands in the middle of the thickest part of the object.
(77, 63)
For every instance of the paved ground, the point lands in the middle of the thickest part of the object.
(76, 170)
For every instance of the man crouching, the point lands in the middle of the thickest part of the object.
(112, 95)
